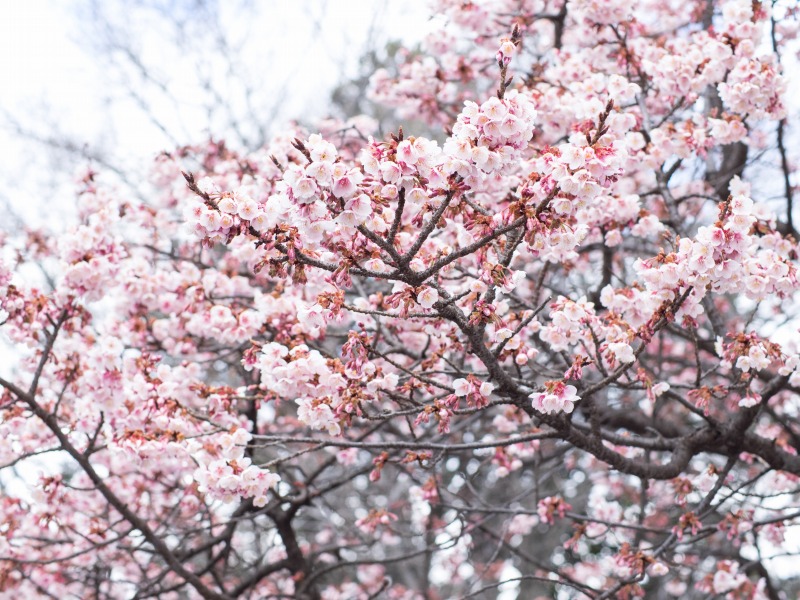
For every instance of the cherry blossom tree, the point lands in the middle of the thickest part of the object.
(552, 353)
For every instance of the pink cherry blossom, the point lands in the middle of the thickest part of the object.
(359, 362)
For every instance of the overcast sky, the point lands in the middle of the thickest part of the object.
(60, 83)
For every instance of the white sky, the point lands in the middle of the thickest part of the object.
(53, 82)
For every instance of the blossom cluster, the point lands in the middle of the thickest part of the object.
(232, 475)
(489, 135)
